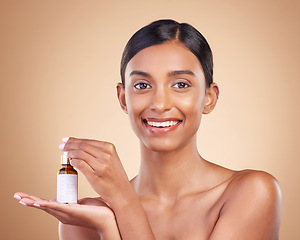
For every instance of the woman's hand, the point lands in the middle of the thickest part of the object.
(89, 212)
(100, 164)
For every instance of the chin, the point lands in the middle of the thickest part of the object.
(161, 146)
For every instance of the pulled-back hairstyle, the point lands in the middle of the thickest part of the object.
(167, 30)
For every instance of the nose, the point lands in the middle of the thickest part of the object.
(161, 101)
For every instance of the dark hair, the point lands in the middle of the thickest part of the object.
(166, 30)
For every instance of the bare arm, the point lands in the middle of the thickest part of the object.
(71, 232)
(252, 209)
(131, 218)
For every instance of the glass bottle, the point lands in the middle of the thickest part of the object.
(67, 181)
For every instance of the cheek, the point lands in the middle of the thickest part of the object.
(135, 104)
(192, 104)
(135, 107)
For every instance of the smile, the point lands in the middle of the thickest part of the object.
(161, 126)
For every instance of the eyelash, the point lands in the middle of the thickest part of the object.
(138, 86)
(186, 85)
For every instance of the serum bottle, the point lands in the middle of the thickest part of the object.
(67, 181)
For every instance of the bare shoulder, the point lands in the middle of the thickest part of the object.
(253, 182)
(252, 204)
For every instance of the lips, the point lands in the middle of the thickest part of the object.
(160, 126)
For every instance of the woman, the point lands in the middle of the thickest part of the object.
(167, 85)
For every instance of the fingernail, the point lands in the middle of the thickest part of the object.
(17, 197)
(61, 146)
(65, 139)
(36, 205)
(23, 203)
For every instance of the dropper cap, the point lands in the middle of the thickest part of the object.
(64, 158)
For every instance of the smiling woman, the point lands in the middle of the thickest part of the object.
(164, 83)
(167, 85)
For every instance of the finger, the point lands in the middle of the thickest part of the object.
(91, 176)
(95, 163)
(57, 207)
(104, 146)
(81, 155)
(62, 212)
(87, 150)
(90, 141)
(21, 195)
(84, 167)
(84, 150)
(29, 202)
(104, 153)
(48, 207)
(74, 152)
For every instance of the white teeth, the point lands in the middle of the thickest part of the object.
(162, 124)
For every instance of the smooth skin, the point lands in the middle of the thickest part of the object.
(177, 194)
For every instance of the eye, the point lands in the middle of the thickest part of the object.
(181, 85)
(141, 85)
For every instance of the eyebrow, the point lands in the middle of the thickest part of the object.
(135, 72)
(170, 74)
(181, 72)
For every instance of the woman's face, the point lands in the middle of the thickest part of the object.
(164, 96)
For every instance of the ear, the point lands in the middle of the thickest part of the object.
(211, 98)
(121, 96)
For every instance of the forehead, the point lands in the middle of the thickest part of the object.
(165, 57)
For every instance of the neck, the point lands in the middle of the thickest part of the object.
(169, 174)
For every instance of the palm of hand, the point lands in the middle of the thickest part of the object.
(88, 212)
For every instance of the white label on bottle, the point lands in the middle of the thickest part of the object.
(66, 188)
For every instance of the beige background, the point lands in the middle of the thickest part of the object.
(59, 65)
